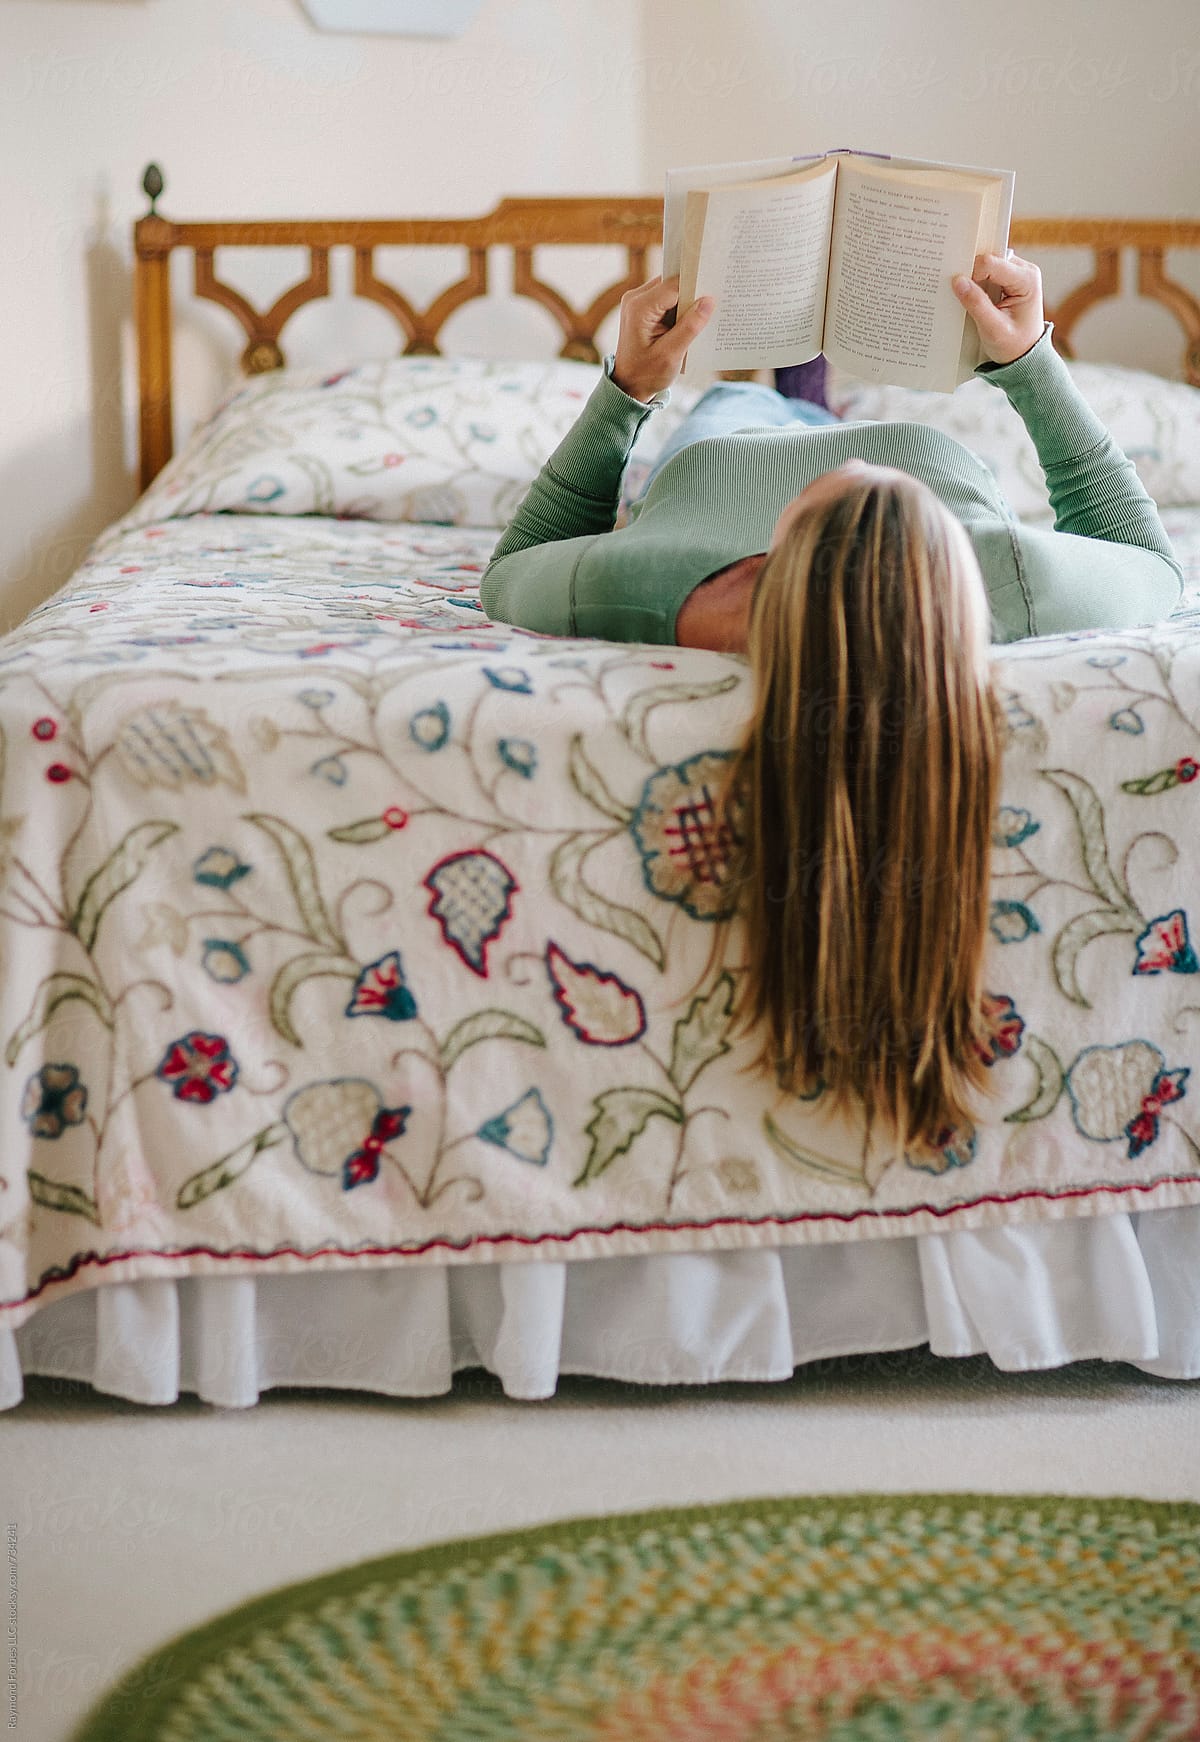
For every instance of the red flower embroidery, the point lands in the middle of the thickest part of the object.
(1186, 769)
(394, 817)
(1004, 1028)
(363, 1166)
(198, 1067)
(45, 729)
(58, 772)
(1142, 1129)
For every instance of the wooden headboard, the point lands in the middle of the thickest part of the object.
(523, 225)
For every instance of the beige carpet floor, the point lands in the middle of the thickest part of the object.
(133, 1523)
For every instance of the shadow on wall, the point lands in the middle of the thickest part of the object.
(54, 551)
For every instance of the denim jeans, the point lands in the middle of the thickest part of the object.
(732, 405)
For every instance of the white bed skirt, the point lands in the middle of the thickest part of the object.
(1124, 1287)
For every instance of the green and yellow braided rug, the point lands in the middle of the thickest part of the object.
(849, 1619)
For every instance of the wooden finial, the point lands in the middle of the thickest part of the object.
(152, 185)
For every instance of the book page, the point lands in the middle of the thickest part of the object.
(892, 315)
(763, 253)
(681, 182)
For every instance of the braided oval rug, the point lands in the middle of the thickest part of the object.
(843, 1619)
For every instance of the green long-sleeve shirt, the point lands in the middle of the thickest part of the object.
(561, 568)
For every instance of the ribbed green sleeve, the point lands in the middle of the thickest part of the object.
(1072, 579)
(572, 501)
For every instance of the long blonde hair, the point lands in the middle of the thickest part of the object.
(864, 790)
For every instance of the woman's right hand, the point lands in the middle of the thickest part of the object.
(650, 346)
(1012, 325)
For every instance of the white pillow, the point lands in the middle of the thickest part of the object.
(449, 440)
(1154, 421)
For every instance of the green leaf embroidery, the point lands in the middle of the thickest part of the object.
(1162, 780)
(486, 1025)
(302, 875)
(589, 783)
(807, 1161)
(52, 1196)
(1097, 922)
(621, 1116)
(1050, 1080)
(635, 719)
(567, 881)
(700, 1035)
(292, 975)
(56, 990)
(220, 1174)
(1089, 820)
(321, 478)
(361, 834)
(118, 871)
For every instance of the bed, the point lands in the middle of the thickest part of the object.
(353, 1013)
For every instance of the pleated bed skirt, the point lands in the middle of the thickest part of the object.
(1124, 1287)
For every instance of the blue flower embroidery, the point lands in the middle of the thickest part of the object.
(430, 727)
(264, 489)
(506, 677)
(1127, 720)
(330, 768)
(1012, 922)
(225, 960)
(54, 1098)
(519, 754)
(525, 1129)
(219, 868)
(1013, 825)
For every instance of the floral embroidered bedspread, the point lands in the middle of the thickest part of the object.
(341, 927)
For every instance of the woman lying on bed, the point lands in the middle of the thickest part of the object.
(865, 568)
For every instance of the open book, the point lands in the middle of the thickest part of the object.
(849, 253)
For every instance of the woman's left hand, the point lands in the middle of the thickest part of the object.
(650, 352)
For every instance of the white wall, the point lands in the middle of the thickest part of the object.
(251, 112)
(1094, 103)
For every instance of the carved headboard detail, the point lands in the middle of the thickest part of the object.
(523, 225)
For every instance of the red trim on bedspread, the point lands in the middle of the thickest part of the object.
(81, 1260)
